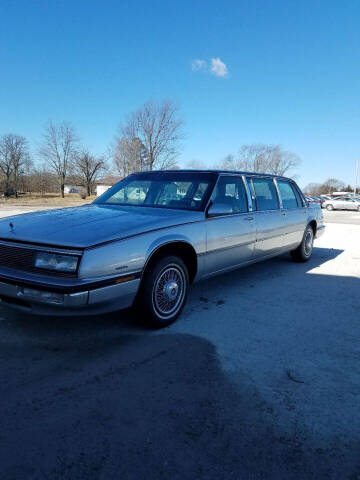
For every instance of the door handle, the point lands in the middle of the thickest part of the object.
(249, 218)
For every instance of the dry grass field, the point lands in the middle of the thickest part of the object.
(49, 199)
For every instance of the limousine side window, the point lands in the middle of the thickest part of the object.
(230, 191)
(265, 193)
(287, 194)
(300, 200)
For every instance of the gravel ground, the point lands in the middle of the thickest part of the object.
(259, 379)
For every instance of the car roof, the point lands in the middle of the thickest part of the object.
(217, 172)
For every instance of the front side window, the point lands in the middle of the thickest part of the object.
(178, 190)
(230, 191)
(265, 193)
(287, 194)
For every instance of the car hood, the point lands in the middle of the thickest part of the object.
(85, 226)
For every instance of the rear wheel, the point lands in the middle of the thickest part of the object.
(329, 207)
(304, 250)
(164, 291)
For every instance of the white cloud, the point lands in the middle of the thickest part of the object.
(218, 68)
(198, 65)
(214, 67)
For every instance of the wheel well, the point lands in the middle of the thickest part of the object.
(313, 225)
(181, 249)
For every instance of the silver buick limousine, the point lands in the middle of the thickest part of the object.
(146, 239)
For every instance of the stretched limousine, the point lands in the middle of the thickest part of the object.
(146, 239)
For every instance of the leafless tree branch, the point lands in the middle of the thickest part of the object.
(158, 127)
(59, 149)
(88, 167)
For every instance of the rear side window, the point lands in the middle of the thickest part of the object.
(287, 195)
(265, 194)
(299, 198)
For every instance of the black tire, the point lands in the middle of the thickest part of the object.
(161, 300)
(304, 250)
(329, 207)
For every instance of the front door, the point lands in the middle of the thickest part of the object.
(342, 204)
(350, 204)
(230, 236)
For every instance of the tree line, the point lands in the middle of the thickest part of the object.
(149, 138)
(63, 159)
(330, 186)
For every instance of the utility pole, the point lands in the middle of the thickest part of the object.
(356, 176)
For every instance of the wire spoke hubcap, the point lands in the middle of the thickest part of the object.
(169, 291)
(308, 243)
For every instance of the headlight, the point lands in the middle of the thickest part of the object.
(54, 261)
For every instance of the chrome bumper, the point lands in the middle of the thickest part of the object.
(99, 300)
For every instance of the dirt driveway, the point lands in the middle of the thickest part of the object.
(259, 379)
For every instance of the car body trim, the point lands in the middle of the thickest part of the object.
(42, 247)
(75, 288)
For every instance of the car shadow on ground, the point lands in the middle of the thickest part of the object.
(219, 289)
(170, 412)
(101, 398)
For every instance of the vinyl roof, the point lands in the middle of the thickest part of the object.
(237, 172)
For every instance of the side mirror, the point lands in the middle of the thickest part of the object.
(217, 209)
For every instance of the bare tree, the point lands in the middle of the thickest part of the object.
(196, 165)
(313, 188)
(262, 158)
(20, 159)
(42, 181)
(229, 163)
(282, 161)
(158, 127)
(5, 162)
(129, 156)
(332, 185)
(14, 159)
(88, 167)
(59, 150)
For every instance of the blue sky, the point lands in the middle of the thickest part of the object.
(293, 73)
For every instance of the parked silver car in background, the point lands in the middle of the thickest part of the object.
(147, 238)
(342, 203)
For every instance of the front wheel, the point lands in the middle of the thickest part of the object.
(304, 250)
(329, 207)
(164, 291)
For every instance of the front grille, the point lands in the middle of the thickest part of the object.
(22, 258)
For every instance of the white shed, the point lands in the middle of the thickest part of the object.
(105, 183)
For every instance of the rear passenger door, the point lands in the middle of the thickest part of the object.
(294, 213)
(269, 223)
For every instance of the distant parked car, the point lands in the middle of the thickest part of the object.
(342, 203)
(313, 200)
(320, 199)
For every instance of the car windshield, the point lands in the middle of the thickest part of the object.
(178, 190)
